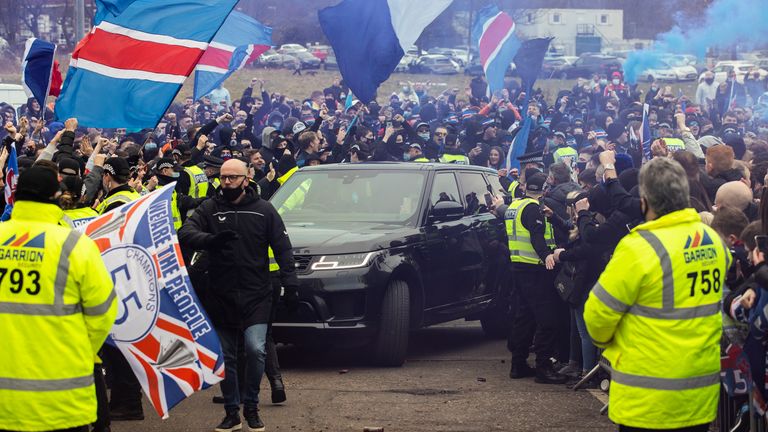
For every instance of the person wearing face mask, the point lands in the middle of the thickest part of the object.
(616, 88)
(237, 227)
(706, 91)
(661, 328)
(167, 172)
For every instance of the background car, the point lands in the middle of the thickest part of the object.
(292, 49)
(321, 51)
(723, 68)
(435, 64)
(405, 63)
(330, 62)
(589, 64)
(671, 69)
(474, 68)
(13, 95)
(308, 61)
(457, 55)
(553, 65)
(279, 61)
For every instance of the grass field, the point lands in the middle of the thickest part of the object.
(282, 81)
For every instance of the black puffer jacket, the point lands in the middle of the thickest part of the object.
(239, 286)
(556, 199)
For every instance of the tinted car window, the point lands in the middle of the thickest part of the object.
(390, 197)
(444, 189)
(496, 187)
(474, 188)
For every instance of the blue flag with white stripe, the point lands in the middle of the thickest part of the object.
(37, 67)
(370, 37)
(240, 41)
(493, 34)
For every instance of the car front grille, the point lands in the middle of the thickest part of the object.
(302, 263)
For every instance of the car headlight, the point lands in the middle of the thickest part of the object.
(343, 262)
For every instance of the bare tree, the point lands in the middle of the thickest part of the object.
(9, 21)
(30, 14)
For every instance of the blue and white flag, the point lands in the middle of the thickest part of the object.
(519, 145)
(370, 37)
(11, 178)
(128, 69)
(645, 133)
(161, 328)
(240, 41)
(37, 68)
(493, 34)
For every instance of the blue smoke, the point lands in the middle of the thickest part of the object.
(725, 24)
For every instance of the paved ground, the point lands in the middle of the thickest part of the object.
(455, 380)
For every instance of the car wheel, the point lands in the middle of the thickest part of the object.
(496, 320)
(391, 343)
(563, 75)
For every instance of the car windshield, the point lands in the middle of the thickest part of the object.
(390, 197)
(675, 62)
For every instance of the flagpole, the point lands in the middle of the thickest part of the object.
(79, 19)
(469, 30)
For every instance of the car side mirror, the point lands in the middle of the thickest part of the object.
(446, 211)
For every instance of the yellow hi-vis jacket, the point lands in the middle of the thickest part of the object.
(519, 238)
(198, 181)
(123, 197)
(656, 311)
(57, 305)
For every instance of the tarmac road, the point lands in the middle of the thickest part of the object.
(455, 379)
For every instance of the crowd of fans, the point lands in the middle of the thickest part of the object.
(719, 137)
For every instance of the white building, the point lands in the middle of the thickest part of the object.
(575, 30)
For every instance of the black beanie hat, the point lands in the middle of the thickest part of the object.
(287, 163)
(37, 184)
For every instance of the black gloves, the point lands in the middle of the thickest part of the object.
(218, 241)
(291, 298)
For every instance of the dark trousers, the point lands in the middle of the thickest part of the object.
(253, 339)
(126, 389)
(272, 365)
(102, 400)
(538, 318)
(699, 428)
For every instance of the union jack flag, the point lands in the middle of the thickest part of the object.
(161, 329)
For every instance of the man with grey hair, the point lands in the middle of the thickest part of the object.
(660, 326)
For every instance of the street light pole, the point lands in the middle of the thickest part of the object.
(469, 32)
(79, 19)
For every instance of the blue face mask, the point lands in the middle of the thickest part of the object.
(150, 146)
(406, 157)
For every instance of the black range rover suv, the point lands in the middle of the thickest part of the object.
(383, 248)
